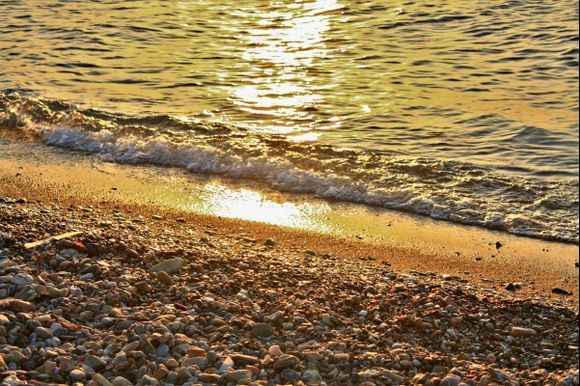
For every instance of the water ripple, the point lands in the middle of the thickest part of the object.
(491, 83)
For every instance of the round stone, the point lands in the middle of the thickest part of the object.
(77, 375)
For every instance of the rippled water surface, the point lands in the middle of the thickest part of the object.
(461, 110)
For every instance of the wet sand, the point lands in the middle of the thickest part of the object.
(405, 241)
(147, 293)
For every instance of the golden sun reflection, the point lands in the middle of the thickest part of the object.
(304, 137)
(219, 200)
(284, 45)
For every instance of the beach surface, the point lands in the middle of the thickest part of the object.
(314, 192)
(149, 293)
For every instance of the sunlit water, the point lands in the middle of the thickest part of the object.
(465, 111)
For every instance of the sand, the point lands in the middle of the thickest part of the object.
(406, 242)
(150, 293)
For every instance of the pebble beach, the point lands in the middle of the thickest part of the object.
(127, 297)
(289, 193)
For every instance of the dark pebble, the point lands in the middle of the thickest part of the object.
(513, 286)
(561, 291)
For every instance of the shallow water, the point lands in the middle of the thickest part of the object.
(463, 111)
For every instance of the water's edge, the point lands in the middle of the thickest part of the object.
(444, 190)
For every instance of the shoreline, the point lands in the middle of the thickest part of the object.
(149, 294)
(406, 242)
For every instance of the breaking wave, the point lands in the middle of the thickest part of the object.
(445, 190)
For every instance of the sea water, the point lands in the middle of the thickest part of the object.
(460, 111)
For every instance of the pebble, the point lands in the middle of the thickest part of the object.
(101, 380)
(87, 276)
(196, 352)
(396, 378)
(163, 350)
(168, 266)
(286, 361)
(121, 381)
(513, 286)
(561, 291)
(209, 378)
(245, 313)
(262, 330)
(311, 375)
(132, 254)
(523, 332)
(17, 304)
(312, 355)
(451, 380)
(164, 278)
(161, 373)
(95, 362)
(43, 332)
(242, 360)
(22, 279)
(238, 375)
(77, 375)
(142, 286)
(275, 351)
(290, 375)
(227, 364)
(202, 363)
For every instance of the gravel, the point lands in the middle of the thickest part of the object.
(131, 301)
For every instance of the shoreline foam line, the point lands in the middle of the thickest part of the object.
(405, 241)
(443, 190)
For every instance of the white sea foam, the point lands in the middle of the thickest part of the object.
(285, 175)
(444, 190)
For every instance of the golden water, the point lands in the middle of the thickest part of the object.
(487, 81)
(460, 110)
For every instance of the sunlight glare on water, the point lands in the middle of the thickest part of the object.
(279, 51)
(487, 82)
(465, 111)
(247, 204)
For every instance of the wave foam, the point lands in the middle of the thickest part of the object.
(443, 190)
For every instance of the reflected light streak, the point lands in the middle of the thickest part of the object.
(219, 200)
(280, 51)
